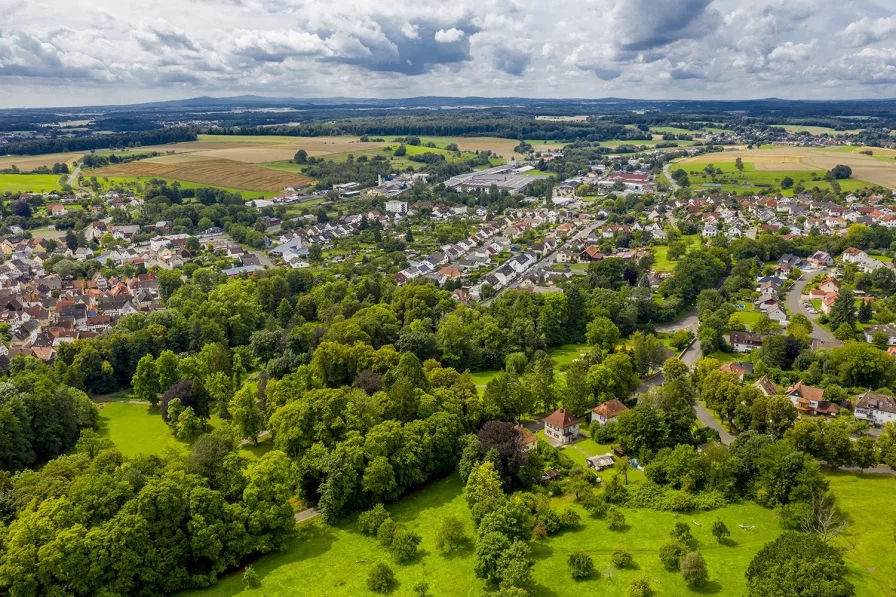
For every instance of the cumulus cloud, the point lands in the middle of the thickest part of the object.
(448, 36)
(868, 30)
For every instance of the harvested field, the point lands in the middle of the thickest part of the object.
(864, 167)
(27, 163)
(222, 173)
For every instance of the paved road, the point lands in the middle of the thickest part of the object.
(74, 176)
(667, 170)
(795, 305)
(262, 257)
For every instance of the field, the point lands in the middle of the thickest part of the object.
(132, 182)
(782, 161)
(139, 428)
(26, 163)
(29, 183)
(662, 262)
(815, 130)
(214, 172)
(334, 560)
(761, 175)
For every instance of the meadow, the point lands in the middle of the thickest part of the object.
(662, 262)
(815, 130)
(27, 163)
(29, 183)
(759, 175)
(135, 182)
(334, 560)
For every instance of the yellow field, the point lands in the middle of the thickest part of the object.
(864, 167)
(222, 173)
(501, 147)
(27, 163)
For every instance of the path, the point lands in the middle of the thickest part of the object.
(795, 305)
(667, 171)
(306, 515)
(74, 176)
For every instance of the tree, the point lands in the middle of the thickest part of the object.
(822, 517)
(451, 535)
(866, 313)
(381, 579)
(739, 164)
(681, 533)
(640, 587)
(400, 151)
(301, 157)
(602, 332)
(370, 521)
(798, 564)
(671, 554)
(146, 380)
(251, 579)
(483, 492)
(787, 183)
(166, 368)
(404, 545)
(622, 559)
(246, 415)
(844, 309)
(580, 565)
(839, 172)
(188, 426)
(693, 569)
(720, 531)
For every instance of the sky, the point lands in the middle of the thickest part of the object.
(89, 52)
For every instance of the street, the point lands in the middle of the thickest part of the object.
(795, 305)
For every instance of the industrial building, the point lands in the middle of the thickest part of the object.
(506, 178)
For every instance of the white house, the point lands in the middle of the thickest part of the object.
(889, 330)
(745, 341)
(561, 426)
(877, 409)
(608, 411)
(396, 207)
(710, 231)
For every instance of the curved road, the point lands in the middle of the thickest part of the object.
(74, 177)
(795, 305)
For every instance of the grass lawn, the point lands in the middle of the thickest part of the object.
(29, 183)
(138, 428)
(483, 377)
(567, 353)
(723, 357)
(662, 263)
(749, 318)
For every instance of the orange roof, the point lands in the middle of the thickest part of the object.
(562, 419)
(526, 436)
(610, 409)
(804, 391)
(732, 368)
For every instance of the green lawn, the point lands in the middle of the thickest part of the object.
(567, 353)
(130, 182)
(483, 377)
(29, 183)
(662, 263)
(751, 180)
(139, 428)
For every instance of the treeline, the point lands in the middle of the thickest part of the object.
(62, 145)
(92, 160)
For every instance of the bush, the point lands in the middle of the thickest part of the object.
(250, 578)
(622, 559)
(451, 534)
(569, 518)
(640, 587)
(369, 522)
(671, 554)
(580, 565)
(550, 520)
(595, 504)
(385, 532)
(693, 569)
(381, 579)
(615, 519)
(682, 533)
(404, 545)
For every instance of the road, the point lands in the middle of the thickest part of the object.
(264, 259)
(548, 259)
(667, 170)
(795, 305)
(74, 176)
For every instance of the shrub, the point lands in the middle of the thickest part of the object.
(671, 554)
(550, 520)
(381, 579)
(615, 519)
(569, 518)
(250, 578)
(369, 522)
(622, 559)
(720, 531)
(640, 587)
(693, 569)
(580, 565)
(385, 532)
(682, 533)
(595, 504)
(404, 545)
(451, 534)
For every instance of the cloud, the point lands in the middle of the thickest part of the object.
(791, 52)
(447, 36)
(868, 30)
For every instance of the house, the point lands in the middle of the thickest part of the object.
(827, 303)
(608, 411)
(877, 409)
(56, 209)
(829, 285)
(745, 341)
(821, 259)
(809, 400)
(791, 260)
(766, 386)
(396, 207)
(710, 231)
(562, 427)
(888, 330)
(566, 256)
(776, 313)
(600, 462)
(591, 254)
(528, 440)
(861, 259)
(738, 369)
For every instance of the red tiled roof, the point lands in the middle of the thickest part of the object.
(562, 419)
(610, 409)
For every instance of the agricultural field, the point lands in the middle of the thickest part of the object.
(815, 130)
(785, 160)
(29, 183)
(760, 175)
(639, 142)
(213, 172)
(334, 560)
(27, 163)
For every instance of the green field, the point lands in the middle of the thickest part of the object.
(672, 130)
(334, 560)
(662, 263)
(639, 142)
(29, 183)
(139, 428)
(567, 353)
(750, 179)
(815, 130)
(130, 182)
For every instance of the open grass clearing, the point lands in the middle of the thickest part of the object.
(335, 560)
(567, 353)
(662, 263)
(29, 183)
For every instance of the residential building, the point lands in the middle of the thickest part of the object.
(396, 207)
(561, 426)
(875, 408)
(608, 411)
(888, 330)
(809, 400)
(745, 341)
(528, 440)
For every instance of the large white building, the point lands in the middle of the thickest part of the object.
(877, 409)
(396, 207)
